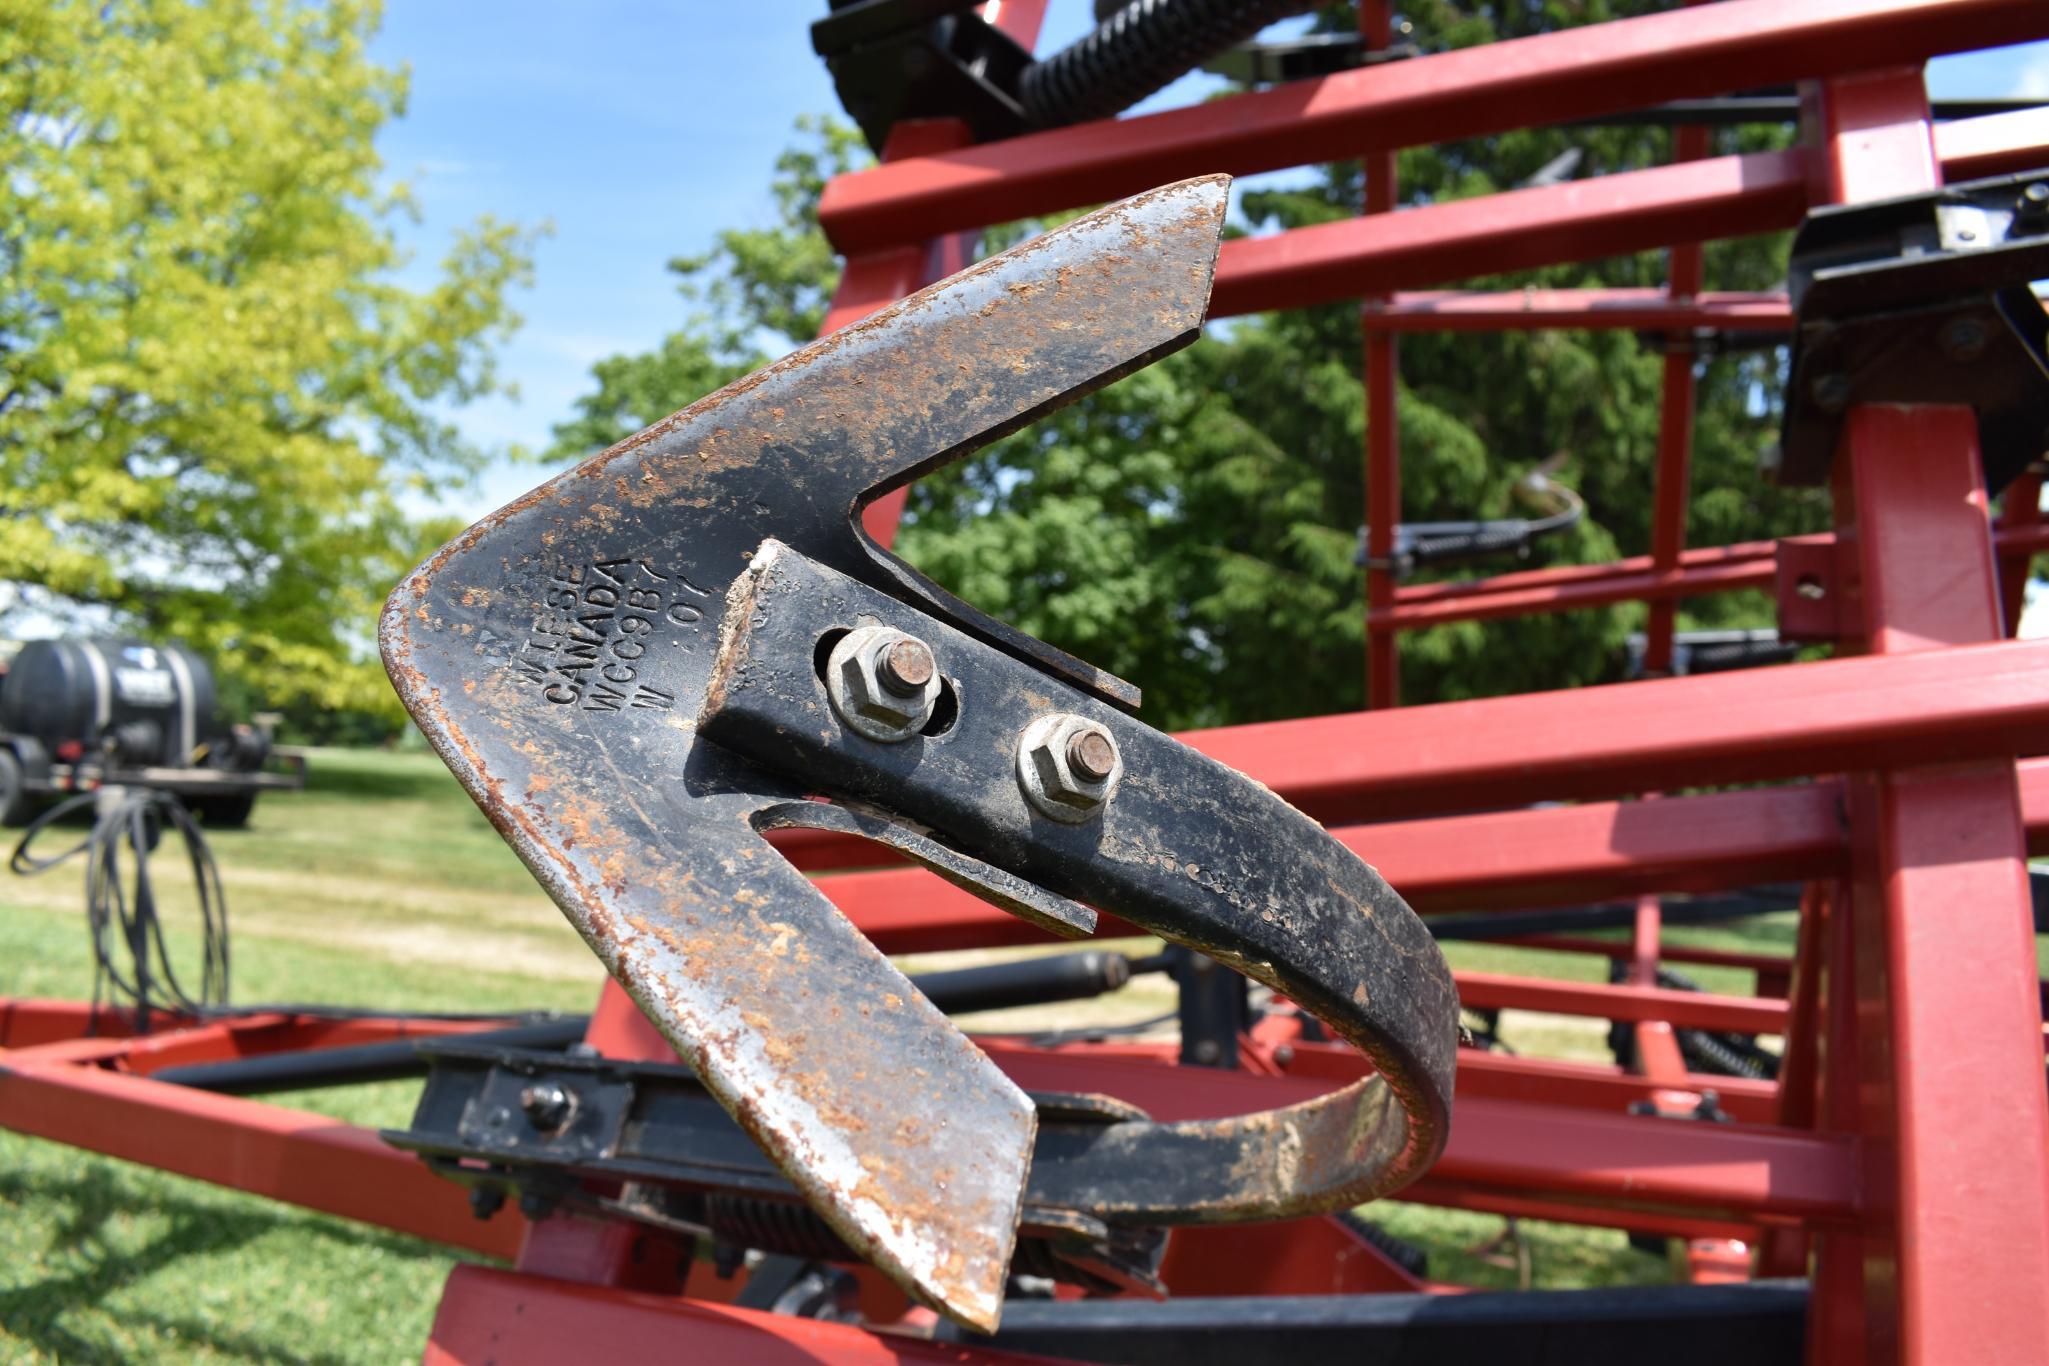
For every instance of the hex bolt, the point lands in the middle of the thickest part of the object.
(1963, 341)
(1092, 754)
(486, 1201)
(1068, 766)
(1831, 393)
(548, 1105)
(906, 667)
(2033, 206)
(883, 683)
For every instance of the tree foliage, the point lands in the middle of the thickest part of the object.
(1194, 527)
(217, 405)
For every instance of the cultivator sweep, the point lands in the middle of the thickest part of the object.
(647, 663)
(684, 671)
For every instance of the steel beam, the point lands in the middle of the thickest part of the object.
(1583, 220)
(1994, 144)
(1554, 855)
(1948, 1022)
(1382, 376)
(1616, 1162)
(1569, 588)
(1671, 488)
(507, 1318)
(1686, 1009)
(1580, 220)
(1935, 706)
(1585, 1086)
(1574, 588)
(302, 1159)
(1531, 310)
(1549, 78)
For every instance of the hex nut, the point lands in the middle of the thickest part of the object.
(1058, 757)
(882, 682)
(548, 1104)
(1963, 341)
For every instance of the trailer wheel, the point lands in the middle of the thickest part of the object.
(17, 806)
(226, 811)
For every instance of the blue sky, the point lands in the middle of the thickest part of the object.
(639, 130)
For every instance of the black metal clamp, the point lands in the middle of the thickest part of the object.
(1923, 299)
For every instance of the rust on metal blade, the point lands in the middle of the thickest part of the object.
(557, 655)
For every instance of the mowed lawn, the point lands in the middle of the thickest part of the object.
(382, 885)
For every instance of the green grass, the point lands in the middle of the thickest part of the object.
(382, 885)
(379, 885)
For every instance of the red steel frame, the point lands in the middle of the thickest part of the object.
(1900, 1159)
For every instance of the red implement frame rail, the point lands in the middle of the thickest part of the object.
(1901, 1161)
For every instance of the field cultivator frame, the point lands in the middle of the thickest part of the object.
(1897, 1164)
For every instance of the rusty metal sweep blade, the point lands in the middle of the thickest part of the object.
(558, 653)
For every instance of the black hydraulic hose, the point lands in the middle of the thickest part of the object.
(302, 1069)
(1025, 981)
(1142, 48)
(992, 986)
(121, 913)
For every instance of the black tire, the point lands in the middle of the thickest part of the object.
(17, 806)
(225, 811)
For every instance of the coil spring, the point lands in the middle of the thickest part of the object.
(775, 1226)
(1403, 1253)
(1143, 47)
(791, 1230)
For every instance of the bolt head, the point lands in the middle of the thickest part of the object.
(486, 1201)
(2036, 195)
(882, 683)
(906, 667)
(1091, 754)
(1964, 339)
(548, 1105)
(1068, 766)
(1831, 393)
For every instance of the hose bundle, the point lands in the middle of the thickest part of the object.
(130, 960)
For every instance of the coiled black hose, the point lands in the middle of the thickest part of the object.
(1143, 47)
(122, 918)
(1719, 1052)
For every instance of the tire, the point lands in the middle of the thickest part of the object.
(226, 811)
(17, 806)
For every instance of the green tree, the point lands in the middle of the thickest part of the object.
(1194, 527)
(217, 405)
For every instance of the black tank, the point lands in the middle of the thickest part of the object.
(151, 704)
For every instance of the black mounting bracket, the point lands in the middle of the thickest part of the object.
(1924, 299)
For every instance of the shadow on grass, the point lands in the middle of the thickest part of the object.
(34, 1311)
(378, 776)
